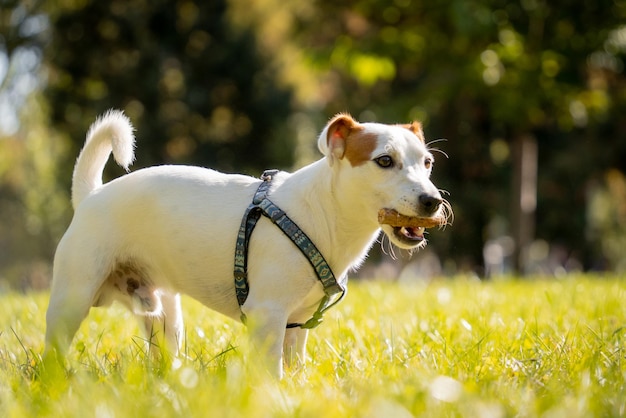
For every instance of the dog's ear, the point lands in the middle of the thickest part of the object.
(416, 128)
(332, 141)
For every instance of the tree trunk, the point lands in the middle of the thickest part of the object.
(524, 199)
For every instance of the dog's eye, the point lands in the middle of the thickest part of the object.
(384, 161)
(428, 163)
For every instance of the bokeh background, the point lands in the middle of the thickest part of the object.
(526, 100)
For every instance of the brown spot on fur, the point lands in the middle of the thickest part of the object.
(131, 285)
(359, 147)
(127, 277)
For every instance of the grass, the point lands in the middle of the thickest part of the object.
(457, 348)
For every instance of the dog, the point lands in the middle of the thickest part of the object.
(147, 237)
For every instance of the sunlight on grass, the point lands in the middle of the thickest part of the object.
(448, 348)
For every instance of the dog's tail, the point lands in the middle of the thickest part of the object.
(110, 132)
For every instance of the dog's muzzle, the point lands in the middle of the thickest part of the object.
(408, 231)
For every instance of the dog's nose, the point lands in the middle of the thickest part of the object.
(429, 203)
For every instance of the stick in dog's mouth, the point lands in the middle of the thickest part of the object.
(392, 218)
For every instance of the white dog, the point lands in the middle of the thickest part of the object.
(148, 236)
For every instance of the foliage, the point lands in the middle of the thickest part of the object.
(196, 89)
(450, 348)
(483, 74)
(33, 208)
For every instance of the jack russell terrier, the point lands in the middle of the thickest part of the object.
(273, 253)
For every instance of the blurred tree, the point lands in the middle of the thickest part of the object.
(607, 220)
(195, 88)
(32, 207)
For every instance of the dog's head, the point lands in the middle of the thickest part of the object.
(390, 168)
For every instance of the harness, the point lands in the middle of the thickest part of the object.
(262, 205)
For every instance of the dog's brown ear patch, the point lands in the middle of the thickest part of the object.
(416, 128)
(359, 147)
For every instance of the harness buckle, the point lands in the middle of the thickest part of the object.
(315, 320)
(268, 174)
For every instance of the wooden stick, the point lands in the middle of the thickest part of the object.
(393, 218)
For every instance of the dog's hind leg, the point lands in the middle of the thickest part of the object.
(165, 330)
(71, 297)
(67, 308)
(64, 316)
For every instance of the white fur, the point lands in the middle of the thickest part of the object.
(111, 132)
(150, 235)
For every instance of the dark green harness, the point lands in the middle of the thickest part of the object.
(261, 205)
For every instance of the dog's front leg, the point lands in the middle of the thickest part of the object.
(294, 346)
(267, 332)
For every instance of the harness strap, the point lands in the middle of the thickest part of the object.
(262, 205)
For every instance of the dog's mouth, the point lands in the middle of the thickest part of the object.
(408, 234)
(407, 231)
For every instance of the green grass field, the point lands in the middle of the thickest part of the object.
(450, 348)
